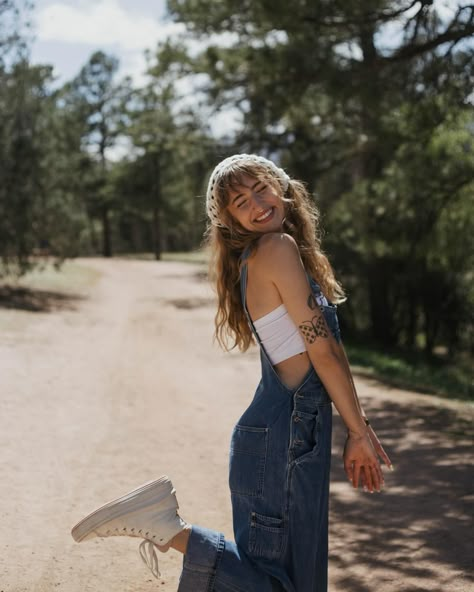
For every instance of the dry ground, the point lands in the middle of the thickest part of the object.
(112, 387)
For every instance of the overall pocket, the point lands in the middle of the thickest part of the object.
(266, 536)
(248, 454)
(304, 434)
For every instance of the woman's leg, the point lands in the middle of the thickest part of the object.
(214, 564)
(211, 564)
(180, 541)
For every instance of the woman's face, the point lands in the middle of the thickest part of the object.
(256, 205)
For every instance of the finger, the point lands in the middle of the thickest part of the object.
(376, 480)
(368, 479)
(348, 469)
(383, 455)
(356, 475)
(363, 481)
(381, 475)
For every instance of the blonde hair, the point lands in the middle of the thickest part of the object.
(228, 240)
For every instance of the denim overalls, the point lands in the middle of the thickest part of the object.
(279, 481)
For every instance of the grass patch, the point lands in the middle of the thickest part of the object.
(70, 278)
(199, 257)
(412, 371)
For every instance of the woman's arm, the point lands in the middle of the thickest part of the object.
(345, 363)
(280, 261)
(372, 435)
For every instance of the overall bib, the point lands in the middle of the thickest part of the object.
(280, 457)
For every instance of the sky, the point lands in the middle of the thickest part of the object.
(67, 32)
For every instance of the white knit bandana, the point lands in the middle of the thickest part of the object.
(211, 203)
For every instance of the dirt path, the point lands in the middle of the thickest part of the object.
(110, 391)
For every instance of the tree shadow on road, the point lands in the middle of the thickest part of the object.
(417, 534)
(36, 300)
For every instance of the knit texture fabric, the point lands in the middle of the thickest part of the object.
(212, 207)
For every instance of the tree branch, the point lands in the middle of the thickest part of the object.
(364, 19)
(452, 34)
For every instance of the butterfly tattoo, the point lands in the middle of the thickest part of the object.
(314, 328)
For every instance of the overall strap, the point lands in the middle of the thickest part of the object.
(243, 293)
(313, 283)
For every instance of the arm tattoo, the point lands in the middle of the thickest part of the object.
(314, 328)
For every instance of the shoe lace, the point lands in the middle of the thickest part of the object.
(149, 557)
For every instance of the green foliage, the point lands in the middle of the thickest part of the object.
(99, 105)
(451, 379)
(35, 215)
(382, 131)
(159, 188)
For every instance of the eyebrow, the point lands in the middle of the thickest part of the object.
(251, 188)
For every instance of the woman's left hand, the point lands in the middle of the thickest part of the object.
(365, 473)
(361, 462)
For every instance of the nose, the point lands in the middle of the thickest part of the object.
(257, 200)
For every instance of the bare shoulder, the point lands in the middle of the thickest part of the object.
(276, 251)
(273, 243)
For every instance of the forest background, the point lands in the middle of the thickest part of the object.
(380, 128)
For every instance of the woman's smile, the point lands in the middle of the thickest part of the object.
(266, 216)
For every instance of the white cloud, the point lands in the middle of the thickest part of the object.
(67, 32)
(101, 23)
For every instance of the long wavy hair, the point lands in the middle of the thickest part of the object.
(229, 239)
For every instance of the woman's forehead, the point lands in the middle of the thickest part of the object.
(241, 181)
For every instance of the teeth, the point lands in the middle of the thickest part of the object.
(264, 216)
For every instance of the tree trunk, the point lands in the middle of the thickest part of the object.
(105, 210)
(106, 241)
(157, 226)
(156, 233)
(410, 340)
(95, 243)
(368, 167)
(379, 304)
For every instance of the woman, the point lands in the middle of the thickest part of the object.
(274, 285)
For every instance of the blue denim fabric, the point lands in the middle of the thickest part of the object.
(279, 481)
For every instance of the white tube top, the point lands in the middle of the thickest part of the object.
(279, 335)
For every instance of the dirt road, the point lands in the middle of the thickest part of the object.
(114, 388)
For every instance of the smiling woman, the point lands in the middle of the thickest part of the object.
(275, 287)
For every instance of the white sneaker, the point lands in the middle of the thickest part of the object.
(148, 512)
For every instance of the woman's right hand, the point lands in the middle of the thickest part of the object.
(361, 462)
